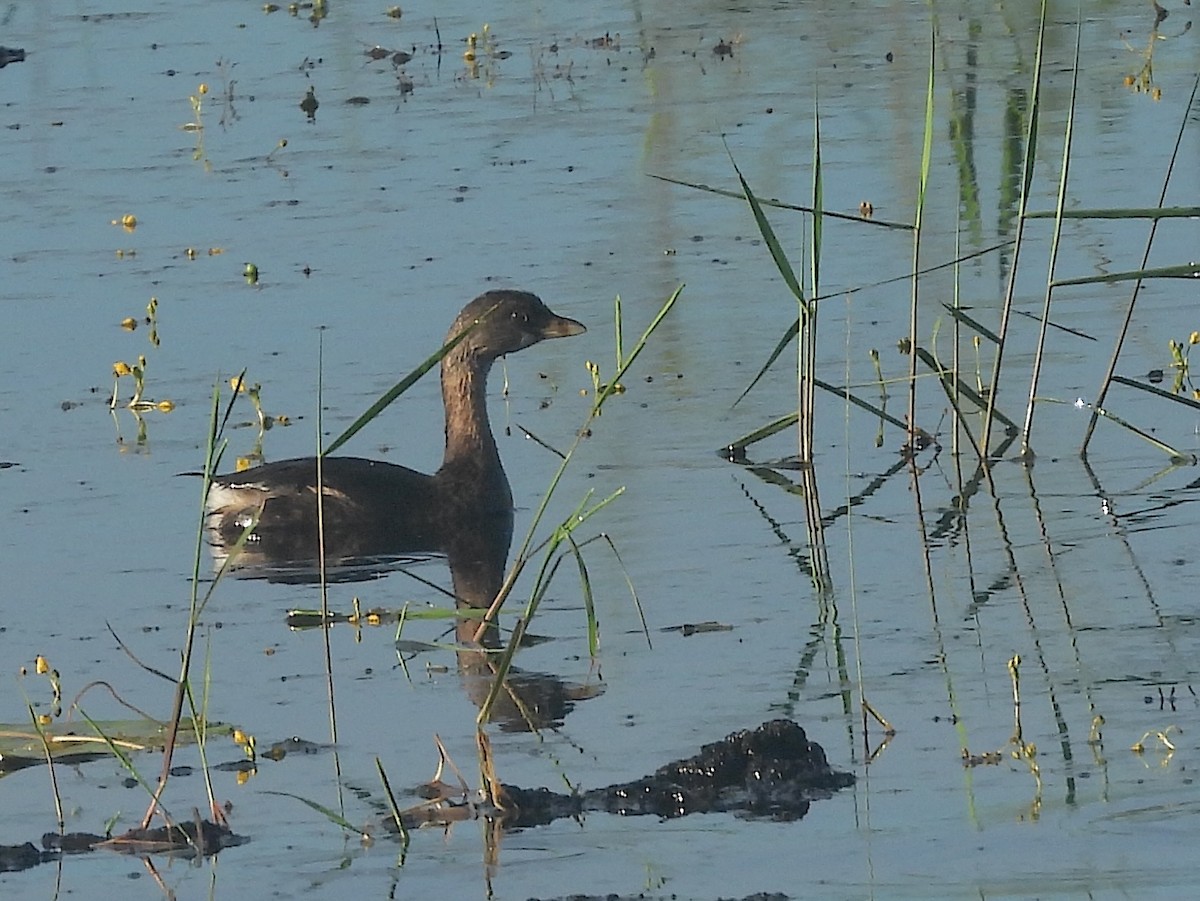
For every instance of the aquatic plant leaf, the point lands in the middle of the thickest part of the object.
(20, 746)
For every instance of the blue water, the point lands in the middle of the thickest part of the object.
(372, 227)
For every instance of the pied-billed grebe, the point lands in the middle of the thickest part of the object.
(372, 508)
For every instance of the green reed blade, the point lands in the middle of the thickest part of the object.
(952, 383)
(780, 347)
(1109, 372)
(978, 327)
(637, 602)
(766, 431)
(918, 218)
(768, 235)
(1172, 212)
(589, 601)
(403, 385)
(1027, 168)
(794, 328)
(1055, 240)
(780, 205)
(818, 202)
(332, 815)
(1175, 455)
(783, 422)
(1158, 392)
(393, 808)
(1183, 270)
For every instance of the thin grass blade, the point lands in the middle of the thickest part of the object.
(780, 205)
(1106, 382)
(401, 386)
(976, 326)
(768, 234)
(1183, 270)
(1055, 239)
(1027, 169)
(1158, 392)
(332, 815)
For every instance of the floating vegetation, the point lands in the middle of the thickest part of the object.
(482, 53)
(59, 738)
(1161, 740)
(309, 105)
(1142, 81)
(138, 403)
(317, 10)
(607, 41)
(264, 421)
(11, 55)
(191, 253)
(1180, 362)
(196, 125)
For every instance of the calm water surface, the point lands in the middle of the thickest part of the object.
(414, 189)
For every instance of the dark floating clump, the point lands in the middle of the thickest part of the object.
(11, 55)
(198, 838)
(14, 858)
(773, 772)
(309, 105)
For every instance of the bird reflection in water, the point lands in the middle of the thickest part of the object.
(376, 516)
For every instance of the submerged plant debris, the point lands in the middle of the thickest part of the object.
(199, 838)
